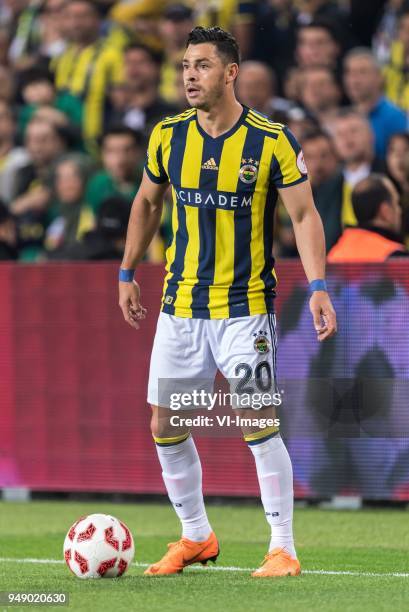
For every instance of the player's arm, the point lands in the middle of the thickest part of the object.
(310, 239)
(143, 223)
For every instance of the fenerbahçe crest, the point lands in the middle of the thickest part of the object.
(261, 342)
(249, 170)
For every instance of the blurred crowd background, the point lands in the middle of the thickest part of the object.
(83, 82)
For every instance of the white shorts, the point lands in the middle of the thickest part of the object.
(187, 353)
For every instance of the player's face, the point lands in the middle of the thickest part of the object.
(205, 76)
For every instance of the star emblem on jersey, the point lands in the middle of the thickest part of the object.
(261, 342)
(210, 165)
(249, 170)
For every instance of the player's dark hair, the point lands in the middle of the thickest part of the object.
(124, 130)
(224, 42)
(367, 196)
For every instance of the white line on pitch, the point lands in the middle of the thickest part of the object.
(223, 568)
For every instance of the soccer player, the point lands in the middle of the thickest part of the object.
(225, 163)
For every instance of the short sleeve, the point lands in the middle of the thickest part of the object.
(288, 166)
(153, 166)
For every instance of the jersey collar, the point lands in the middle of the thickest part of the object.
(230, 132)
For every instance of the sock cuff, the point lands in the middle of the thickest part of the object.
(262, 435)
(171, 441)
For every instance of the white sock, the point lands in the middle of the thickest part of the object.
(182, 475)
(275, 476)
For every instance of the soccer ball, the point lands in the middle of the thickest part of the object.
(98, 546)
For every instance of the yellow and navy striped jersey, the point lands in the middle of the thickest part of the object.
(220, 263)
(88, 74)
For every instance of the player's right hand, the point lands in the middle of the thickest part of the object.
(129, 302)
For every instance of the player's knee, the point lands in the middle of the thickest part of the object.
(162, 425)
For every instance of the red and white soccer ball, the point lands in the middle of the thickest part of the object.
(98, 546)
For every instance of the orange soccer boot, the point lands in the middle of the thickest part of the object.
(183, 553)
(277, 563)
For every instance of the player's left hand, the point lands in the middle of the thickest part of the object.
(323, 314)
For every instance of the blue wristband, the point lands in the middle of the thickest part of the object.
(318, 285)
(126, 276)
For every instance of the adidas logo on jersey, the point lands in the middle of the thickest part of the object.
(210, 165)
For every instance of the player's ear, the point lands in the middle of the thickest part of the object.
(231, 72)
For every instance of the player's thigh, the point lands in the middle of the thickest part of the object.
(246, 355)
(181, 362)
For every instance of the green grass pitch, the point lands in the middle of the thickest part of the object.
(372, 545)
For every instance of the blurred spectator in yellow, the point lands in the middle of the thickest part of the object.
(69, 216)
(364, 85)
(397, 85)
(45, 143)
(142, 106)
(320, 93)
(12, 158)
(255, 87)
(88, 67)
(378, 234)
(354, 144)
(8, 235)
(387, 29)
(123, 155)
(174, 28)
(141, 18)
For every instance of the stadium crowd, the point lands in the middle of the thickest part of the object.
(82, 83)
